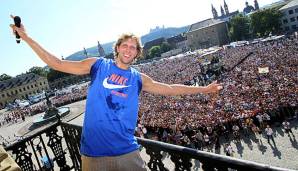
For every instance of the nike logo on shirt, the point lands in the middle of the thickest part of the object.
(111, 86)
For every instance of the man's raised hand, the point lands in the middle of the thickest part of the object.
(20, 30)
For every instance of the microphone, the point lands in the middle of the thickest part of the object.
(17, 22)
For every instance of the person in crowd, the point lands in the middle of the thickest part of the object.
(269, 134)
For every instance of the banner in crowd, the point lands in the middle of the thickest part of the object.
(263, 70)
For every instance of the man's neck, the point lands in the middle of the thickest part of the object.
(121, 65)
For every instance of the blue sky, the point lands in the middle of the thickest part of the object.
(66, 26)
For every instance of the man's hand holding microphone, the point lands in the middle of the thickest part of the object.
(18, 28)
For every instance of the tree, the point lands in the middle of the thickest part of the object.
(239, 28)
(53, 75)
(38, 70)
(5, 77)
(164, 47)
(154, 51)
(265, 22)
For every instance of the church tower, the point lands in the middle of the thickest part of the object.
(101, 51)
(256, 5)
(222, 11)
(226, 8)
(214, 12)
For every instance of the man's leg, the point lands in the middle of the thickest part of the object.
(98, 163)
(127, 162)
(131, 162)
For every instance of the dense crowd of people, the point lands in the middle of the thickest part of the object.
(19, 114)
(248, 92)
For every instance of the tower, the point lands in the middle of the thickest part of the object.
(85, 52)
(226, 8)
(256, 5)
(214, 12)
(101, 51)
(222, 11)
(248, 8)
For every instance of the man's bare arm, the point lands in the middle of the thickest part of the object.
(151, 86)
(72, 67)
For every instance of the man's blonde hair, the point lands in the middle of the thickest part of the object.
(124, 37)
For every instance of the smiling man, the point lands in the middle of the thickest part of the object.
(108, 141)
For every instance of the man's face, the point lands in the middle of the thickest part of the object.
(127, 51)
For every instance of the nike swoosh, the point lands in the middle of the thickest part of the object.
(111, 86)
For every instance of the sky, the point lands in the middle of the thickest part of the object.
(64, 27)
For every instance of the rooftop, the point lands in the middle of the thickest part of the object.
(290, 4)
(204, 23)
(18, 81)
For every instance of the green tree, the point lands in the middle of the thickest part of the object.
(5, 77)
(38, 70)
(53, 75)
(239, 28)
(164, 47)
(265, 22)
(154, 51)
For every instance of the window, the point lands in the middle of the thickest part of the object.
(285, 21)
(16, 91)
(296, 10)
(294, 27)
(20, 90)
(24, 88)
(291, 12)
(31, 86)
(292, 19)
(3, 95)
(287, 28)
(28, 88)
(35, 85)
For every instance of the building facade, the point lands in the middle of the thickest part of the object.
(21, 87)
(178, 42)
(289, 20)
(207, 33)
(67, 81)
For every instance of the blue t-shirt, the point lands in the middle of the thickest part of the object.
(111, 110)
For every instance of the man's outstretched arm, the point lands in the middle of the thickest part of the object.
(151, 86)
(72, 67)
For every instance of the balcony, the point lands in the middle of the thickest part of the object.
(57, 148)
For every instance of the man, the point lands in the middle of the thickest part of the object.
(269, 133)
(198, 138)
(236, 129)
(229, 150)
(260, 120)
(287, 127)
(107, 141)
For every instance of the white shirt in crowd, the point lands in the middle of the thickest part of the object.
(268, 131)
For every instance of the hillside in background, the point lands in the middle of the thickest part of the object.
(108, 47)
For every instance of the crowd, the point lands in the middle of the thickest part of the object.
(19, 114)
(247, 93)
